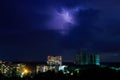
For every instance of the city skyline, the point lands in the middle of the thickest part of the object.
(31, 30)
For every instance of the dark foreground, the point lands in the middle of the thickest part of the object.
(89, 74)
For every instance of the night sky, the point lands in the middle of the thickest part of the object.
(30, 30)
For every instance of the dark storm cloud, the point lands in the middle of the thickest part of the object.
(22, 23)
(99, 28)
(82, 34)
(23, 14)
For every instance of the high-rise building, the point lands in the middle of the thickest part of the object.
(86, 59)
(54, 60)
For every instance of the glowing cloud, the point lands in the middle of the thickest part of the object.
(67, 17)
(62, 20)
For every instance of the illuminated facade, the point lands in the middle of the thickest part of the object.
(22, 70)
(86, 59)
(42, 68)
(54, 60)
(45, 68)
(6, 68)
(9, 69)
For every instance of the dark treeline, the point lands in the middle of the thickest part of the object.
(88, 74)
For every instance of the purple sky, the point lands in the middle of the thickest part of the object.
(32, 29)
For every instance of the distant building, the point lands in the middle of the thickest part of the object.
(53, 63)
(6, 68)
(42, 68)
(54, 60)
(87, 59)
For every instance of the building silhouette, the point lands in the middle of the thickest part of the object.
(87, 59)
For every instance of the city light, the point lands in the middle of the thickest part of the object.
(25, 71)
